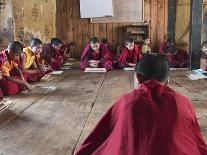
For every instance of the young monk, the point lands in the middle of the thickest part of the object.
(178, 58)
(113, 52)
(146, 49)
(67, 50)
(1, 92)
(51, 53)
(29, 62)
(151, 120)
(13, 79)
(96, 55)
(164, 45)
(130, 55)
(204, 52)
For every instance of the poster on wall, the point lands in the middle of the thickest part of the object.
(96, 8)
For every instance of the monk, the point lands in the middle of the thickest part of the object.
(1, 92)
(146, 49)
(29, 62)
(14, 81)
(130, 55)
(113, 52)
(204, 52)
(67, 50)
(151, 120)
(178, 58)
(51, 53)
(164, 44)
(96, 55)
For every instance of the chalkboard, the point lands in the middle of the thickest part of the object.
(124, 11)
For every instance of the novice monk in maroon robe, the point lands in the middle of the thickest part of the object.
(113, 52)
(178, 58)
(29, 62)
(13, 79)
(51, 53)
(67, 50)
(1, 92)
(96, 55)
(130, 55)
(151, 120)
(204, 52)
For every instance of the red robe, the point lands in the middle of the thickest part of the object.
(127, 56)
(151, 120)
(103, 56)
(179, 60)
(163, 47)
(8, 87)
(48, 53)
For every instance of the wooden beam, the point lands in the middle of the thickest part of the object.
(171, 19)
(195, 33)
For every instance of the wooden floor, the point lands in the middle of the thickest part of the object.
(56, 123)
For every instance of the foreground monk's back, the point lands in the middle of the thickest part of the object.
(151, 120)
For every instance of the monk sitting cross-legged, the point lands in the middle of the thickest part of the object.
(96, 55)
(29, 62)
(13, 79)
(151, 120)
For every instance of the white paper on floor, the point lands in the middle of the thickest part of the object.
(65, 67)
(129, 68)
(95, 70)
(56, 72)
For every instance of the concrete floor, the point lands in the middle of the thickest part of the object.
(56, 123)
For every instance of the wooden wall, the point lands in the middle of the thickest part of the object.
(70, 27)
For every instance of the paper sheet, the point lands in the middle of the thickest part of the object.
(5, 104)
(56, 72)
(129, 68)
(95, 70)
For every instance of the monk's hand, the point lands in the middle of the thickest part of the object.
(27, 85)
(53, 60)
(68, 55)
(94, 65)
(132, 65)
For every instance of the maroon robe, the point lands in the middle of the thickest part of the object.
(9, 87)
(151, 120)
(179, 60)
(127, 56)
(48, 53)
(163, 47)
(103, 56)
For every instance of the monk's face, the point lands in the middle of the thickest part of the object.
(130, 46)
(204, 49)
(14, 56)
(95, 46)
(147, 41)
(37, 49)
(57, 47)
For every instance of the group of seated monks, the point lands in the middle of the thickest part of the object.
(99, 54)
(20, 66)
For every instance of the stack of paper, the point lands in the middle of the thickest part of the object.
(95, 70)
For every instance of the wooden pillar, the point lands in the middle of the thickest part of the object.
(195, 33)
(171, 19)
